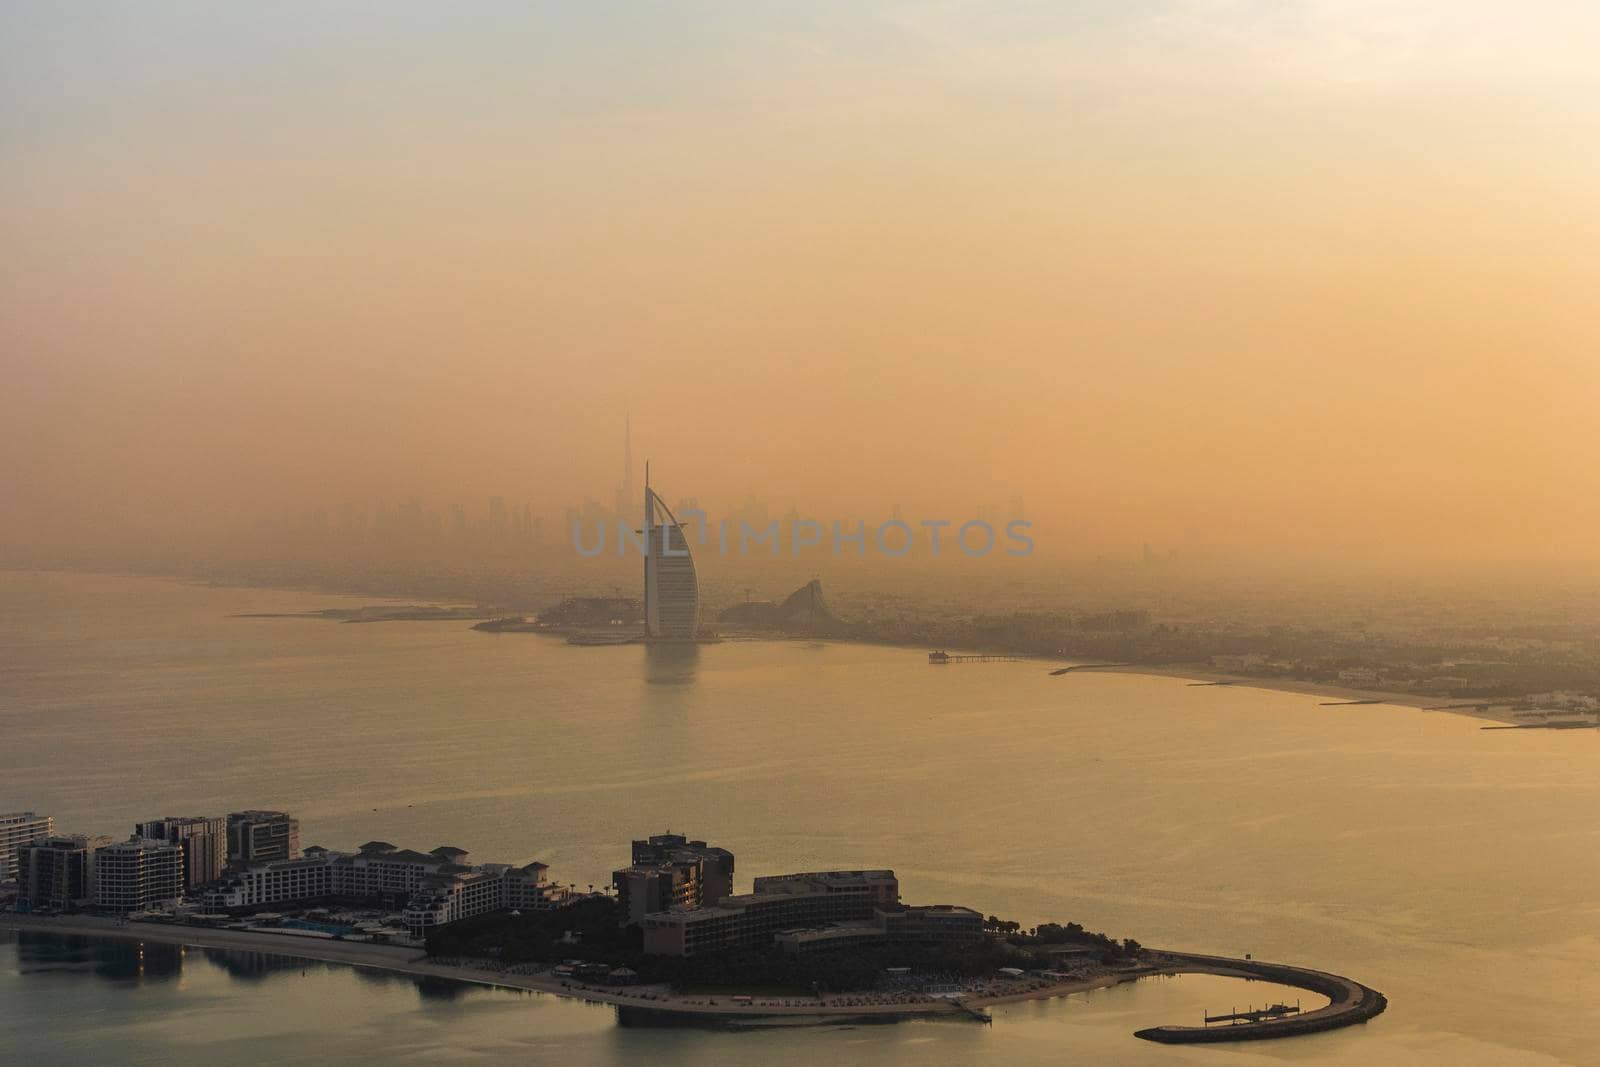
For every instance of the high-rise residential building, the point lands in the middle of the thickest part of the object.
(671, 589)
(57, 871)
(136, 875)
(16, 829)
(204, 839)
(262, 837)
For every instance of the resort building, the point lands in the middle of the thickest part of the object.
(784, 902)
(434, 888)
(379, 871)
(452, 895)
(57, 872)
(938, 924)
(932, 924)
(137, 875)
(671, 589)
(808, 912)
(19, 828)
(204, 840)
(847, 888)
(714, 865)
(262, 837)
(670, 871)
(382, 871)
(282, 881)
(643, 890)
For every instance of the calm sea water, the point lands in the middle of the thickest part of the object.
(1455, 869)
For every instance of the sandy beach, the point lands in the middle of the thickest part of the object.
(1496, 714)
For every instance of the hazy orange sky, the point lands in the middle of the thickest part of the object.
(1232, 273)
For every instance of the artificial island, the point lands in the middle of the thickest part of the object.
(668, 938)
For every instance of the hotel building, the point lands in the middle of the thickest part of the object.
(936, 924)
(671, 589)
(278, 882)
(670, 871)
(779, 903)
(451, 895)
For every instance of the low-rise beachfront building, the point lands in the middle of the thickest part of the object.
(932, 924)
(432, 887)
(382, 871)
(283, 881)
(137, 875)
(829, 936)
(779, 903)
(459, 893)
(937, 924)
(848, 889)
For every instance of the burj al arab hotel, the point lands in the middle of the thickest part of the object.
(671, 589)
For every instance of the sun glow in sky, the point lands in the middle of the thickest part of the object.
(1224, 272)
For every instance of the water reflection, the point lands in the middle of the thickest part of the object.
(673, 663)
(441, 989)
(114, 961)
(253, 966)
(124, 961)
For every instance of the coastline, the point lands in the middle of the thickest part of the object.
(1196, 673)
(1350, 1001)
(1416, 701)
(653, 998)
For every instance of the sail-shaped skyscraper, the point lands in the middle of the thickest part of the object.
(671, 588)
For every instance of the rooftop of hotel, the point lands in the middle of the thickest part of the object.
(830, 877)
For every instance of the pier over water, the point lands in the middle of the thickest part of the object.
(1350, 1003)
